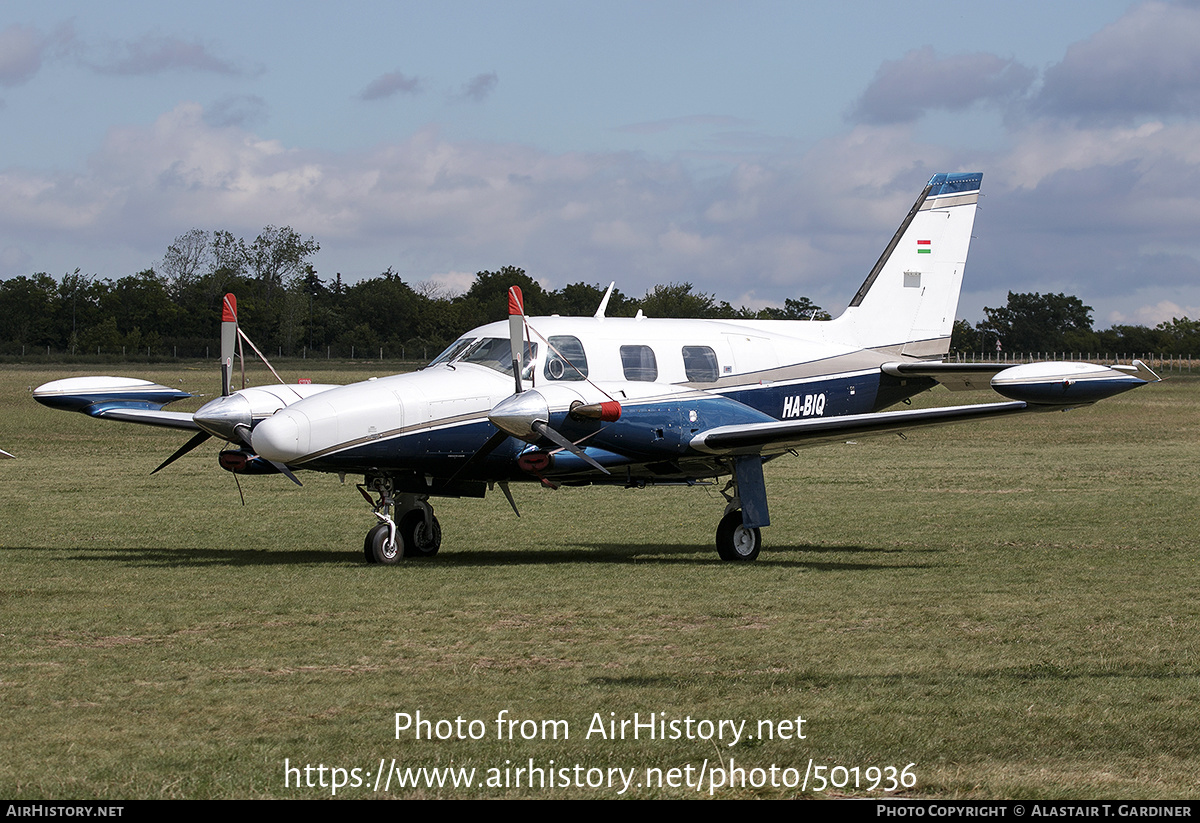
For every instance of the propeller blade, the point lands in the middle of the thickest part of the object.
(516, 331)
(229, 329)
(504, 488)
(243, 433)
(550, 434)
(285, 471)
(196, 440)
(487, 448)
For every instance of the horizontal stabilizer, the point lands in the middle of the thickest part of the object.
(954, 376)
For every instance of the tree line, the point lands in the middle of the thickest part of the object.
(1032, 322)
(287, 307)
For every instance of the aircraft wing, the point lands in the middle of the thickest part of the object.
(1030, 387)
(976, 376)
(150, 417)
(117, 398)
(766, 438)
(4, 454)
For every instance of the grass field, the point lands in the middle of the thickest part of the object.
(1012, 607)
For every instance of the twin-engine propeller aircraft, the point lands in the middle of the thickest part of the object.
(628, 402)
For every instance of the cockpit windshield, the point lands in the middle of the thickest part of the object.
(452, 351)
(493, 352)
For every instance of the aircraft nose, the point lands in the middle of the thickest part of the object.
(282, 437)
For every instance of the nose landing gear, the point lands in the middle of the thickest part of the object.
(413, 533)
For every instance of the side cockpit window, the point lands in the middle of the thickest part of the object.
(700, 364)
(566, 359)
(638, 363)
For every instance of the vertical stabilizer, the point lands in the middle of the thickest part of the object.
(229, 330)
(908, 301)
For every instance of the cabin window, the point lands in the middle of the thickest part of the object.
(496, 353)
(566, 359)
(700, 364)
(639, 364)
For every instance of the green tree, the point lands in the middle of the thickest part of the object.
(141, 300)
(30, 307)
(274, 259)
(489, 294)
(678, 300)
(79, 305)
(1041, 322)
(582, 300)
(386, 305)
(1180, 336)
(795, 309)
(964, 337)
(187, 259)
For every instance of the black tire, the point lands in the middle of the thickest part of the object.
(735, 541)
(368, 550)
(419, 539)
(377, 549)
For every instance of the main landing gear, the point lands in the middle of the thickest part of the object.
(735, 541)
(738, 535)
(414, 532)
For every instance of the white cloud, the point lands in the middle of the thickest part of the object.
(922, 80)
(1144, 63)
(154, 54)
(480, 87)
(1070, 205)
(390, 84)
(20, 54)
(1162, 312)
(23, 50)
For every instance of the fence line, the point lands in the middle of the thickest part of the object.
(1175, 363)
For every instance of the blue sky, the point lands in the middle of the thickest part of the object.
(760, 150)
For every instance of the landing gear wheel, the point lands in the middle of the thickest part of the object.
(420, 540)
(735, 541)
(377, 548)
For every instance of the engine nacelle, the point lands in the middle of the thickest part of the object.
(95, 395)
(240, 461)
(1069, 384)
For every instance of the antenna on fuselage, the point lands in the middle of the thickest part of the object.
(599, 315)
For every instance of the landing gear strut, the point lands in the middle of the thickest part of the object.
(414, 532)
(738, 535)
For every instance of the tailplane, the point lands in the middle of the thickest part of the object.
(908, 301)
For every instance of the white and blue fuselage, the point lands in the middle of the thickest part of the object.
(672, 378)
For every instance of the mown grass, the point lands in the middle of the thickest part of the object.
(1012, 606)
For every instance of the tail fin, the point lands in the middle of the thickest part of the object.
(908, 301)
